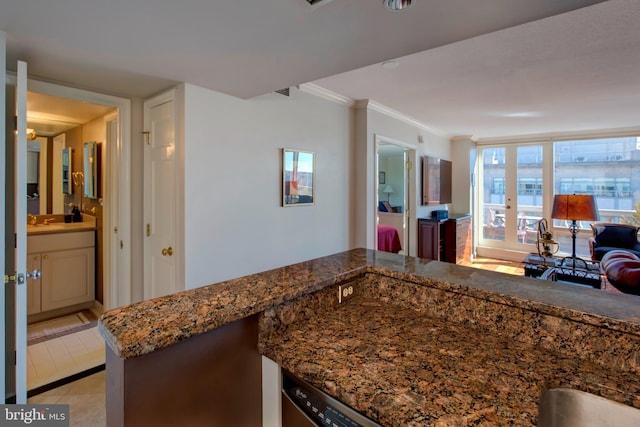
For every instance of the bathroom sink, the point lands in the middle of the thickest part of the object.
(564, 407)
(57, 227)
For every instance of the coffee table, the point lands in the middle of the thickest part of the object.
(562, 270)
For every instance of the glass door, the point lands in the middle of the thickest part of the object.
(510, 196)
(492, 196)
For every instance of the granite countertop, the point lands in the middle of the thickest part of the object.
(393, 352)
(403, 369)
(150, 325)
(59, 227)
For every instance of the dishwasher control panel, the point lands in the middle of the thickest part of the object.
(321, 408)
(319, 411)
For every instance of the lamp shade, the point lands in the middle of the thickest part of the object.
(576, 207)
(387, 189)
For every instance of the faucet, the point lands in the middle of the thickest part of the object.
(32, 219)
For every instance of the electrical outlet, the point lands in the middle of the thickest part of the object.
(345, 292)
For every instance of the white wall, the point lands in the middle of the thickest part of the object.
(234, 222)
(461, 149)
(387, 126)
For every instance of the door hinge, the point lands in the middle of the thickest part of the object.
(148, 230)
(409, 165)
(15, 123)
(115, 230)
(408, 213)
(147, 136)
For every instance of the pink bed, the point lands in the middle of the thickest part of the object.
(388, 239)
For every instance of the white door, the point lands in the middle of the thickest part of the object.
(3, 184)
(16, 284)
(160, 247)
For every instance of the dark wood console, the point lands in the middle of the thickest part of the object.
(446, 240)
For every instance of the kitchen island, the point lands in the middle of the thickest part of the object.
(418, 342)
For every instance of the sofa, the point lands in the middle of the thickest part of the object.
(608, 237)
(621, 268)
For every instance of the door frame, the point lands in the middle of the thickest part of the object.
(119, 218)
(410, 194)
(509, 249)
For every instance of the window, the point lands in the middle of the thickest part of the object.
(529, 186)
(607, 171)
(512, 186)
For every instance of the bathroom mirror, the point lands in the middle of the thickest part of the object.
(67, 156)
(92, 159)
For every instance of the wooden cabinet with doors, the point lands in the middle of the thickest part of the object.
(67, 262)
(446, 240)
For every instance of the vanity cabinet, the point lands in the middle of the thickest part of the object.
(67, 262)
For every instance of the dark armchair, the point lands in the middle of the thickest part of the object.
(609, 236)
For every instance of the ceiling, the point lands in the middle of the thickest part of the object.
(573, 72)
(464, 64)
(50, 115)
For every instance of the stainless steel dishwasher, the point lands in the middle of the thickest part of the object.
(304, 405)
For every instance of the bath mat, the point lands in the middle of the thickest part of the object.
(60, 326)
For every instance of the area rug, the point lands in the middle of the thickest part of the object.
(60, 326)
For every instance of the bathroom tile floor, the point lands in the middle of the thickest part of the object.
(64, 356)
(85, 397)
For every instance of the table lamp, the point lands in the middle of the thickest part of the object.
(574, 207)
(387, 190)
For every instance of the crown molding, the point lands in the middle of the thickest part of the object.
(321, 92)
(376, 106)
(316, 90)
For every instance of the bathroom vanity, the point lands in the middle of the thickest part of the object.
(402, 340)
(65, 254)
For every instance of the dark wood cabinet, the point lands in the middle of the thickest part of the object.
(429, 239)
(446, 240)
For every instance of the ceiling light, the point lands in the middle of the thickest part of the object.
(524, 114)
(396, 5)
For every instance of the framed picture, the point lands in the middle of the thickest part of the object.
(297, 177)
(382, 178)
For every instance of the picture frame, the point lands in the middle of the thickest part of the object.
(382, 178)
(298, 170)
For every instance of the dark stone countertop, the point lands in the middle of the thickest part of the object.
(149, 325)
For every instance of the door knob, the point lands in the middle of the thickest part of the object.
(167, 251)
(35, 274)
(22, 277)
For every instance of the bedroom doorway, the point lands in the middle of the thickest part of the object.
(393, 167)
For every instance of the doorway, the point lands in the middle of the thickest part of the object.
(393, 195)
(510, 194)
(65, 341)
